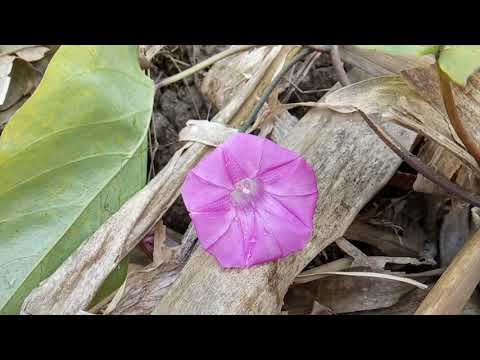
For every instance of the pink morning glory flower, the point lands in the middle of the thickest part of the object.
(251, 201)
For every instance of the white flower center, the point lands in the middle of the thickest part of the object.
(245, 192)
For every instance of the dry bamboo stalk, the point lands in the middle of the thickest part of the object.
(457, 284)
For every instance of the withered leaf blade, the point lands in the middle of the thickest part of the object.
(425, 82)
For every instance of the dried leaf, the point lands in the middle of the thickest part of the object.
(374, 96)
(143, 291)
(359, 258)
(378, 63)
(32, 54)
(206, 132)
(12, 49)
(150, 51)
(312, 275)
(226, 76)
(6, 65)
(386, 238)
(17, 79)
(410, 301)
(405, 117)
(458, 225)
(319, 309)
(380, 262)
(344, 294)
(397, 101)
(425, 82)
(144, 286)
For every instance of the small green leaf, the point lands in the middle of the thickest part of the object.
(414, 50)
(460, 61)
(69, 158)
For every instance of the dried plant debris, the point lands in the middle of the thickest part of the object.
(17, 79)
(344, 294)
(21, 69)
(383, 233)
(408, 303)
(404, 226)
(145, 286)
(425, 82)
(458, 225)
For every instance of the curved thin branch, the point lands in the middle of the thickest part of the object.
(449, 187)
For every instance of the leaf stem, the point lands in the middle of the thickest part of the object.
(450, 107)
(449, 187)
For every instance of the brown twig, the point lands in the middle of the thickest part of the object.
(338, 66)
(450, 107)
(449, 187)
(302, 73)
(457, 284)
(286, 68)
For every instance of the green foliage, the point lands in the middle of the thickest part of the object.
(460, 61)
(69, 158)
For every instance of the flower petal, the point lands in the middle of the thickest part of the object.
(213, 170)
(283, 224)
(293, 178)
(274, 156)
(211, 226)
(303, 206)
(197, 193)
(265, 246)
(229, 249)
(234, 170)
(246, 151)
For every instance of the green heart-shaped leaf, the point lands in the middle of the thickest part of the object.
(460, 61)
(69, 158)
